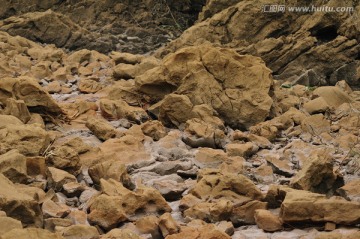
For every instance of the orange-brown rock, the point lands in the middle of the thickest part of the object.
(229, 83)
(267, 221)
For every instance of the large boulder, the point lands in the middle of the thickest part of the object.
(235, 86)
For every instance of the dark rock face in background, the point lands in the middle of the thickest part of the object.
(133, 26)
(314, 48)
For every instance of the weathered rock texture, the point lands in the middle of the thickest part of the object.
(315, 48)
(236, 87)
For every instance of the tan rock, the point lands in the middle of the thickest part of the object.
(101, 128)
(317, 105)
(73, 189)
(128, 67)
(154, 129)
(79, 57)
(203, 232)
(148, 225)
(7, 224)
(65, 158)
(287, 102)
(199, 133)
(126, 58)
(37, 119)
(125, 71)
(35, 166)
(30, 233)
(245, 214)
(214, 184)
(124, 204)
(332, 235)
(194, 73)
(18, 109)
(211, 211)
(80, 232)
(207, 114)
(128, 149)
(259, 141)
(175, 110)
(78, 145)
(171, 187)
(111, 169)
(41, 70)
(53, 87)
(28, 90)
(168, 225)
(6, 120)
(264, 174)
(29, 140)
(100, 212)
(271, 129)
(118, 109)
(329, 226)
(242, 150)
(52, 209)
(267, 221)
(57, 178)
(333, 95)
(279, 42)
(226, 227)
(78, 217)
(316, 125)
(13, 166)
(300, 206)
(233, 165)
(344, 86)
(85, 70)
(280, 166)
(18, 204)
(351, 190)
(89, 86)
(316, 174)
(112, 187)
(123, 90)
(210, 158)
(61, 74)
(120, 233)
(78, 108)
(189, 201)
